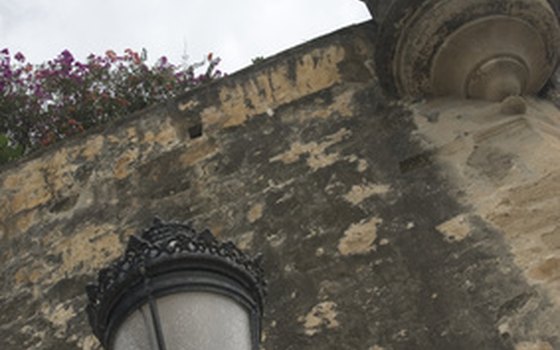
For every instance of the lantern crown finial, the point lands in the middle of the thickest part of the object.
(170, 249)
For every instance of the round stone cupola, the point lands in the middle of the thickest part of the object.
(478, 49)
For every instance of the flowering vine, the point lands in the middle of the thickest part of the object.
(42, 104)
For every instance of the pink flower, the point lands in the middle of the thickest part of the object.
(66, 58)
(136, 58)
(19, 57)
(111, 54)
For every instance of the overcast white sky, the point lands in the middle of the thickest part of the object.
(235, 30)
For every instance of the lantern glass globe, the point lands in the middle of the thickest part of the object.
(189, 321)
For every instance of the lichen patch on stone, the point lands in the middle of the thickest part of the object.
(456, 229)
(122, 167)
(547, 270)
(362, 165)
(190, 104)
(359, 193)
(28, 188)
(317, 157)
(245, 240)
(322, 316)
(166, 136)
(359, 238)
(198, 151)
(540, 345)
(255, 213)
(93, 147)
(59, 316)
(91, 248)
(88, 343)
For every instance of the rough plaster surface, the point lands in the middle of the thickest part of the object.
(504, 163)
(348, 195)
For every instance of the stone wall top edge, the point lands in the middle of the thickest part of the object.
(169, 107)
(339, 35)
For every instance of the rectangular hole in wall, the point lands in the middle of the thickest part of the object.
(195, 131)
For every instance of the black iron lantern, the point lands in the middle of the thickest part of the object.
(178, 289)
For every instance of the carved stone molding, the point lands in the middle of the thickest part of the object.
(479, 49)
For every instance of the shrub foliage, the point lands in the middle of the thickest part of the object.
(42, 104)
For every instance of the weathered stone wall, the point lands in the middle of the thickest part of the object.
(371, 239)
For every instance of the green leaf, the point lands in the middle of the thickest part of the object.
(3, 141)
(9, 153)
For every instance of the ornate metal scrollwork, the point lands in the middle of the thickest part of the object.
(166, 248)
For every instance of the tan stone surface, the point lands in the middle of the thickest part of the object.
(359, 193)
(78, 250)
(199, 150)
(359, 238)
(323, 315)
(534, 346)
(93, 147)
(508, 167)
(317, 156)
(255, 213)
(455, 229)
